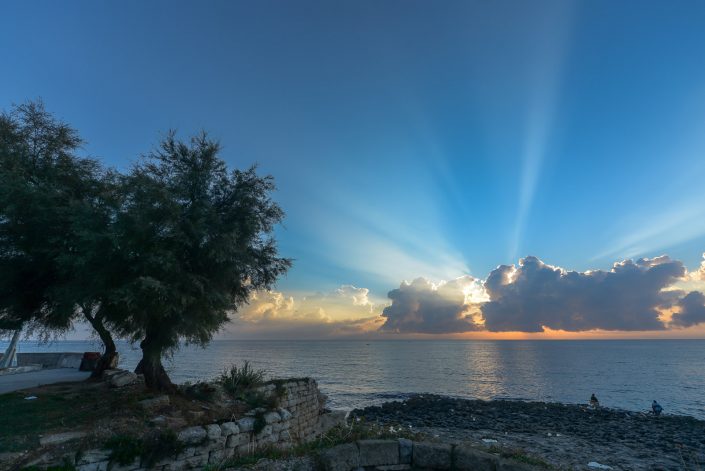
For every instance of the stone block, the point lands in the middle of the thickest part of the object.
(435, 456)
(378, 452)
(284, 414)
(216, 456)
(344, 457)
(470, 459)
(155, 403)
(193, 435)
(229, 428)
(267, 430)
(121, 378)
(246, 424)
(272, 417)
(59, 438)
(92, 456)
(236, 440)
(213, 431)
(406, 448)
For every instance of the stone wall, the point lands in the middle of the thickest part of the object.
(300, 418)
(403, 454)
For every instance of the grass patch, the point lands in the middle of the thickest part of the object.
(124, 449)
(237, 380)
(150, 449)
(53, 409)
(520, 456)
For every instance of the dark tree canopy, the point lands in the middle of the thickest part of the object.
(56, 211)
(195, 240)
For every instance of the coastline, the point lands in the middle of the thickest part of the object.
(564, 435)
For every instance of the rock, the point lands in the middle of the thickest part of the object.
(272, 417)
(471, 459)
(344, 457)
(155, 402)
(58, 438)
(213, 431)
(193, 435)
(378, 452)
(246, 424)
(120, 378)
(93, 456)
(285, 414)
(432, 455)
(229, 428)
(406, 447)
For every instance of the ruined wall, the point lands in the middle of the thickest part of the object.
(300, 418)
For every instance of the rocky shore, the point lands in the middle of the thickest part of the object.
(565, 436)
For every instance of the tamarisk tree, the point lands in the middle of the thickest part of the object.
(56, 211)
(195, 240)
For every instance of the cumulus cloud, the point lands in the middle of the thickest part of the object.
(691, 310)
(534, 295)
(422, 307)
(346, 311)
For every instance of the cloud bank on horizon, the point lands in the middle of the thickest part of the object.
(647, 294)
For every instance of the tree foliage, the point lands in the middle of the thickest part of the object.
(195, 240)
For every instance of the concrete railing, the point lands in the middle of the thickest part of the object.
(50, 360)
(403, 454)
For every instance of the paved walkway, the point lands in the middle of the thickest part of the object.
(32, 379)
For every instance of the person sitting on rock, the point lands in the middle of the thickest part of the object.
(656, 408)
(594, 402)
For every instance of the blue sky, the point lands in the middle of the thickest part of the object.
(408, 139)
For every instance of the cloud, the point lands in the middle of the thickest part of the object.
(422, 307)
(534, 295)
(346, 311)
(692, 310)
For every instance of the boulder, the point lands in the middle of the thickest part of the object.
(120, 378)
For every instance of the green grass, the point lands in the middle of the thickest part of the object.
(58, 408)
(24, 420)
(237, 380)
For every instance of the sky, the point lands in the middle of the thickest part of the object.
(473, 169)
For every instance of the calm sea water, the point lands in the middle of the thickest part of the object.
(623, 374)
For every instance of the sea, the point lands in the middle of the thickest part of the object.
(623, 374)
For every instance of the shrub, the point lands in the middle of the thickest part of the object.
(124, 449)
(237, 380)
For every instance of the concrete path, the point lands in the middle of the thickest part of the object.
(32, 379)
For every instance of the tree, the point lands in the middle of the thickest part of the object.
(195, 240)
(55, 226)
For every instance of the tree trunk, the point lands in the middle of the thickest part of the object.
(109, 358)
(11, 351)
(151, 367)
